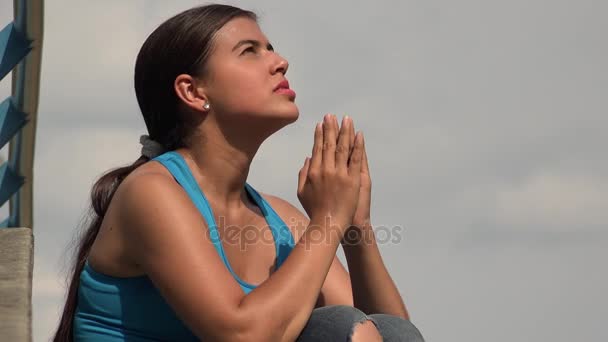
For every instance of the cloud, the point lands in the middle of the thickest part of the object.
(558, 202)
(47, 299)
(6, 13)
(504, 291)
(100, 38)
(69, 160)
(485, 126)
(88, 57)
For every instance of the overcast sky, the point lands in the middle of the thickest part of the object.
(485, 123)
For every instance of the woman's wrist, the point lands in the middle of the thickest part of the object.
(332, 224)
(358, 235)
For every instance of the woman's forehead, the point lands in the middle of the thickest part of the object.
(237, 30)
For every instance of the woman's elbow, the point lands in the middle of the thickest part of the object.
(262, 335)
(244, 329)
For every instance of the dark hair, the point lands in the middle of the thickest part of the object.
(180, 45)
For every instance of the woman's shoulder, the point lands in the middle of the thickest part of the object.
(151, 190)
(149, 177)
(141, 209)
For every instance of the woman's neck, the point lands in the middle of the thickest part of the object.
(221, 169)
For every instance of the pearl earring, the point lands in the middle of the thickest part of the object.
(206, 106)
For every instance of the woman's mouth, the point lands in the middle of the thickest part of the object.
(283, 89)
(286, 91)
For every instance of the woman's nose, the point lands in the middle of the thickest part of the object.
(281, 65)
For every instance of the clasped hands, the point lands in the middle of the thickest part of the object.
(339, 162)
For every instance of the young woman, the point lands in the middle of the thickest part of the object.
(182, 248)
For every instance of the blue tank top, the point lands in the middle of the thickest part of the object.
(132, 309)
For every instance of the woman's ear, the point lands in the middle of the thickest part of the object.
(191, 93)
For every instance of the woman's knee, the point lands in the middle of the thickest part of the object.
(337, 323)
(365, 331)
(396, 329)
(356, 322)
(340, 313)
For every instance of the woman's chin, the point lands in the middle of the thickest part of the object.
(294, 115)
(289, 112)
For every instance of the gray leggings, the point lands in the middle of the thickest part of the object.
(337, 323)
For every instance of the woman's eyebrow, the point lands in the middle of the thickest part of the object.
(255, 43)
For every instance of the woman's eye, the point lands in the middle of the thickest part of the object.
(249, 49)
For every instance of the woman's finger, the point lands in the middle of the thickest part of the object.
(303, 174)
(352, 138)
(329, 142)
(343, 147)
(364, 163)
(356, 158)
(336, 124)
(317, 147)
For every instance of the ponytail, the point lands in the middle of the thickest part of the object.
(101, 195)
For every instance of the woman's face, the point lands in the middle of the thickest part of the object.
(246, 78)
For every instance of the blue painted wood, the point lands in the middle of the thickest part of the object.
(11, 121)
(14, 45)
(10, 182)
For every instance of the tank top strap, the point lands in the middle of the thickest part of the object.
(176, 164)
(283, 238)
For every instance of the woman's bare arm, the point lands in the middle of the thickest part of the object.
(170, 242)
(374, 291)
(336, 289)
(368, 287)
